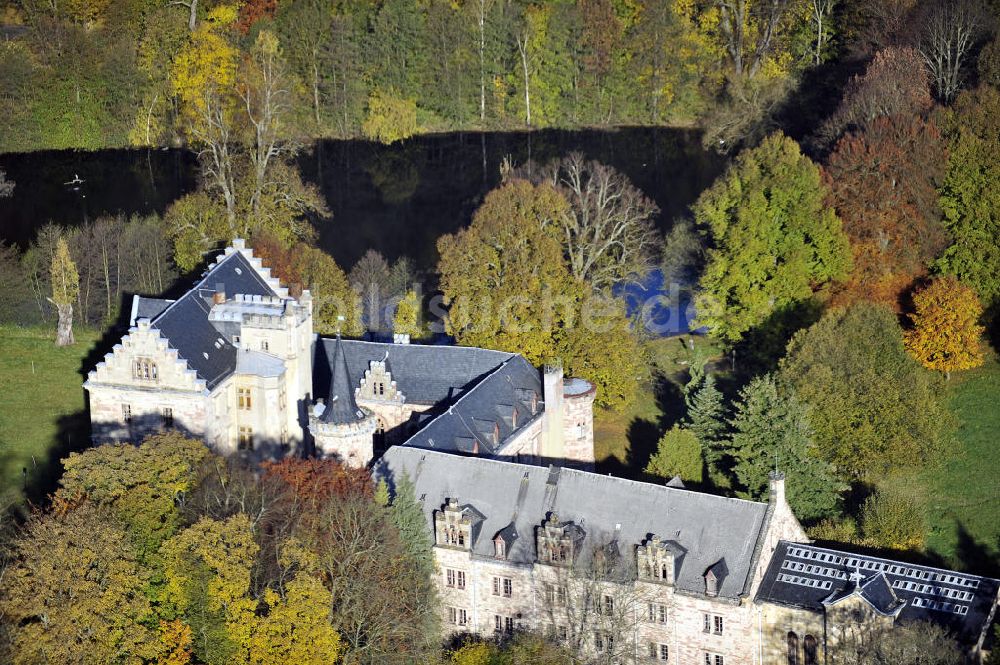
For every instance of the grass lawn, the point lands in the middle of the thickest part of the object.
(964, 493)
(42, 408)
(623, 442)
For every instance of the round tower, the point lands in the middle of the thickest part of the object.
(340, 428)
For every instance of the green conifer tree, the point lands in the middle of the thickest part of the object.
(408, 516)
(771, 429)
(706, 418)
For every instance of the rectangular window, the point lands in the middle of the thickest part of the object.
(717, 625)
(656, 613)
(457, 616)
(563, 633)
(244, 398)
(659, 652)
(503, 586)
(664, 652)
(599, 641)
(264, 345)
(282, 398)
(712, 624)
(127, 413)
(168, 416)
(455, 578)
(503, 624)
(555, 594)
(609, 606)
(246, 438)
(714, 659)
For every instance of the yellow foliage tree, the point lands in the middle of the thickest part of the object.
(946, 333)
(207, 65)
(407, 318)
(390, 118)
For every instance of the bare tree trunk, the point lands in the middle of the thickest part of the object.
(522, 48)
(64, 329)
(482, 60)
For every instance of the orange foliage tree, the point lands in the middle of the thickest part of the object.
(946, 333)
(315, 481)
(883, 185)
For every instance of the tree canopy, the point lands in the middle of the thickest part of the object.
(872, 407)
(773, 239)
(946, 334)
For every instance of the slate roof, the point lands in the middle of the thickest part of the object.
(258, 363)
(710, 528)
(467, 425)
(806, 575)
(425, 374)
(340, 407)
(471, 390)
(185, 325)
(147, 308)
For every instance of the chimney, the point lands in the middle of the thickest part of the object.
(552, 393)
(219, 296)
(777, 483)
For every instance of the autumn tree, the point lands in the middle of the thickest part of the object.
(65, 283)
(407, 318)
(946, 335)
(882, 183)
(380, 601)
(504, 278)
(774, 240)
(970, 197)
(871, 406)
(895, 83)
(678, 453)
(902, 643)
(140, 485)
(608, 231)
(604, 347)
(75, 591)
(771, 430)
(203, 79)
(391, 117)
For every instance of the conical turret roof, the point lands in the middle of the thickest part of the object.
(341, 409)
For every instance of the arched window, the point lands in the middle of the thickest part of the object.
(809, 648)
(793, 648)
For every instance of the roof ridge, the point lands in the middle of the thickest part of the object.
(567, 469)
(509, 354)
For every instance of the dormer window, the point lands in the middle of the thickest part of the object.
(500, 548)
(453, 525)
(557, 542)
(656, 560)
(144, 369)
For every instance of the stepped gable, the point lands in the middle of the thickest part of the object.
(811, 577)
(606, 509)
(185, 325)
(425, 374)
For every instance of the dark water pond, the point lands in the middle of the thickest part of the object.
(397, 199)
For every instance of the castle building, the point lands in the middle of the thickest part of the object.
(498, 451)
(234, 361)
(638, 572)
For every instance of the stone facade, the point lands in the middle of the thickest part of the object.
(262, 341)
